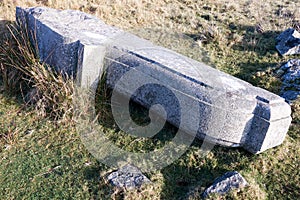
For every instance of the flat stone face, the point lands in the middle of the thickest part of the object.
(196, 97)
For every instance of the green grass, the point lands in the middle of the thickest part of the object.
(43, 158)
(49, 161)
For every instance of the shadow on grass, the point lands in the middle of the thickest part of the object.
(3, 29)
(191, 178)
(4, 33)
(254, 52)
(262, 44)
(7, 86)
(254, 39)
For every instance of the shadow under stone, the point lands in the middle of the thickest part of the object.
(4, 31)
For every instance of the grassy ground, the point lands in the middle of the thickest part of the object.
(42, 158)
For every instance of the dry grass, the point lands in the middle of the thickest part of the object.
(22, 72)
(156, 13)
(237, 36)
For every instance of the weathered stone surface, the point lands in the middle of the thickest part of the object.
(288, 42)
(220, 108)
(128, 177)
(290, 76)
(225, 183)
(65, 43)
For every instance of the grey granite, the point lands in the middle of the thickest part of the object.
(197, 98)
(290, 76)
(128, 177)
(225, 183)
(288, 42)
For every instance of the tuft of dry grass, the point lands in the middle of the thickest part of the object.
(47, 90)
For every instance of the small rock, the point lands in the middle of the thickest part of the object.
(288, 42)
(223, 184)
(128, 177)
(290, 76)
(292, 71)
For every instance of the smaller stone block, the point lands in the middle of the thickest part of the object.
(288, 42)
(290, 76)
(225, 183)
